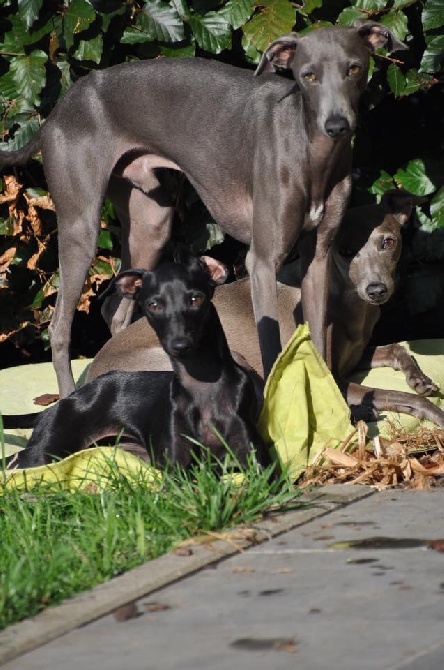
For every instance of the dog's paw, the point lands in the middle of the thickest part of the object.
(421, 384)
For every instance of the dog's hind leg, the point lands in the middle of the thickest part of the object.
(78, 204)
(146, 217)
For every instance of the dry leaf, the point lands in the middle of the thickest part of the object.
(183, 551)
(156, 607)
(437, 545)
(434, 470)
(243, 570)
(125, 612)
(46, 399)
(340, 458)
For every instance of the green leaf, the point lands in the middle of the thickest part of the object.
(162, 22)
(311, 5)
(8, 87)
(382, 184)
(432, 14)
(181, 8)
(105, 240)
(157, 21)
(437, 208)
(395, 79)
(29, 74)
(276, 18)
(66, 79)
(349, 15)
(90, 50)
(78, 17)
(414, 178)
(414, 81)
(101, 267)
(370, 5)
(237, 12)
(16, 37)
(29, 10)
(175, 51)
(397, 23)
(211, 31)
(433, 55)
(27, 129)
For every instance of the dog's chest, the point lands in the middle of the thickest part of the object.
(314, 216)
(211, 417)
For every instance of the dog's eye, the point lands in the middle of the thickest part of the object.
(353, 70)
(309, 76)
(388, 243)
(154, 306)
(196, 300)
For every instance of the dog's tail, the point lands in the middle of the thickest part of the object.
(21, 156)
(19, 420)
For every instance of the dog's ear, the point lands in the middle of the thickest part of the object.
(401, 203)
(218, 270)
(129, 282)
(376, 35)
(279, 53)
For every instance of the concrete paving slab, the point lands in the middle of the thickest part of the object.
(92, 604)
(306, 598)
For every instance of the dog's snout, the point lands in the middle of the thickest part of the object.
(337, 127)
(180, 346)
(377, 292)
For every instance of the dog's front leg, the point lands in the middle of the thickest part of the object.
(397, 357)
(278, 216)
(315, 249)
(264, 299)
(366, 403)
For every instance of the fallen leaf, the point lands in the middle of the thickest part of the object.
(288, 646)
(125, 612)
(156, 607)
(243, 570)
(434, 470)
(340, 458)
(183, 551)
(437, 545)
(46, 399)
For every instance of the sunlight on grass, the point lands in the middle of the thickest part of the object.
(56, 543)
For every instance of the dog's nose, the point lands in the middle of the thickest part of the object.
(377, 291)
(180, 346)
(337, 126)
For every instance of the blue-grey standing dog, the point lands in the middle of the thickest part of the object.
(270, 158)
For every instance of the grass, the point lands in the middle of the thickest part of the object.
(56, 544)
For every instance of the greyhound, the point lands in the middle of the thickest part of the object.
(208, 398)
(364, 258)
(269, 157)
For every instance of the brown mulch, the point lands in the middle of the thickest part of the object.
(413, 460)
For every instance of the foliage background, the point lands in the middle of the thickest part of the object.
(46, 45)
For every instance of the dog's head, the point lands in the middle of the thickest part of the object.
(368, 244)
(330, 66)
(175, 298)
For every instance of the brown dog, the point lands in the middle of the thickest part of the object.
(365, 255)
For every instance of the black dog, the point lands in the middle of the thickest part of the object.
(208, 397)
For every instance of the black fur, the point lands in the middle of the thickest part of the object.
(206, 396)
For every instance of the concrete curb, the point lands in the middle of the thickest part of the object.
(153, 575)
